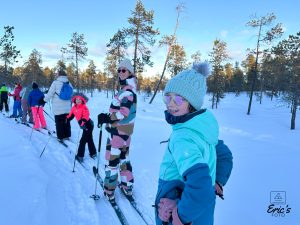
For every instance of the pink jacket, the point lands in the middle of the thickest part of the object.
(81, 112)
(16, 93)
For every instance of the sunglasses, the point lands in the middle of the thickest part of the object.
(177, 99)
(122, 70)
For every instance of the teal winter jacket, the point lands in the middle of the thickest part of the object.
(188, 169)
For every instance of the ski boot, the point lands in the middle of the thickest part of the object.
(111, 198)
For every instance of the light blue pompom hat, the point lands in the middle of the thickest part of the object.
(190, 84)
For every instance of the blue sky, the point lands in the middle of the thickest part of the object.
(47, 25)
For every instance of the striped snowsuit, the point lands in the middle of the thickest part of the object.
(122, 109)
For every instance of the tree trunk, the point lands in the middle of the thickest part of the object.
(162, 75)
(261, 90)
(272, 94)
(167, 57)
(77, 75)
(135, 51)
(255, 72)
(294, 111)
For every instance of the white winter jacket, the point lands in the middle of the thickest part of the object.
(58, 106)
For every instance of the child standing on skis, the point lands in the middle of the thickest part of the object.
(82, 115)
(34, 100)
(186, 188)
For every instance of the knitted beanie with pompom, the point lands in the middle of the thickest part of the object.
(190, 84)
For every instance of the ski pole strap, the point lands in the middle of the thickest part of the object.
(221, 187)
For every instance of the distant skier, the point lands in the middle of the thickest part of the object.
(17, 101)
(120, 124)
(82, 115)
(3, 98)
(35, 98)
(25, 106)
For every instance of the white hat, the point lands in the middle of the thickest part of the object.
(126, 63)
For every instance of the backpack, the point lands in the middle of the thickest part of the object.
(66, 91)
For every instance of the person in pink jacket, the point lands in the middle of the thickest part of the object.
(17, 101)
(82, 115)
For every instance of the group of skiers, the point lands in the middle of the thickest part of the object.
(27, 101)
(196, 165)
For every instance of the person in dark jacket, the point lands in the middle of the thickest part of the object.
(3, 98)
(35, 102)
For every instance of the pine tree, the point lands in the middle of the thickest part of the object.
(177, 61)
(117, 45)
(91, 73)
(290, 49)
(110, 65)
(237, 81)
(249, 67)
(228, 76)
(71, 71)
(196, 57)
(263, 37)
(8, 52)
(216, 82)
(141, 33)
(116, 52)
(33, 69)
(77, 50)
(49, 75)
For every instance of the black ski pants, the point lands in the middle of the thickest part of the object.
(3, 102)
(63, 127)
(87, 137)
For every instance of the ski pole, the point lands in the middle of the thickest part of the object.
(8, 112)
(48, 115)
(95, 196)
(45, 146)
(76, 151)
(36, 117)
(31, 133)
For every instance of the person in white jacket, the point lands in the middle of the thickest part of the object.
(60, 108)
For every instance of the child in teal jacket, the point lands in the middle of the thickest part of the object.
(186, 189)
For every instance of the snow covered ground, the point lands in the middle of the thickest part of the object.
(45, 191)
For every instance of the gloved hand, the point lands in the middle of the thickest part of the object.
(111, 130)
(108, 129)
(165, 208)
(42, 102)
(104, 118)
(83, 126)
